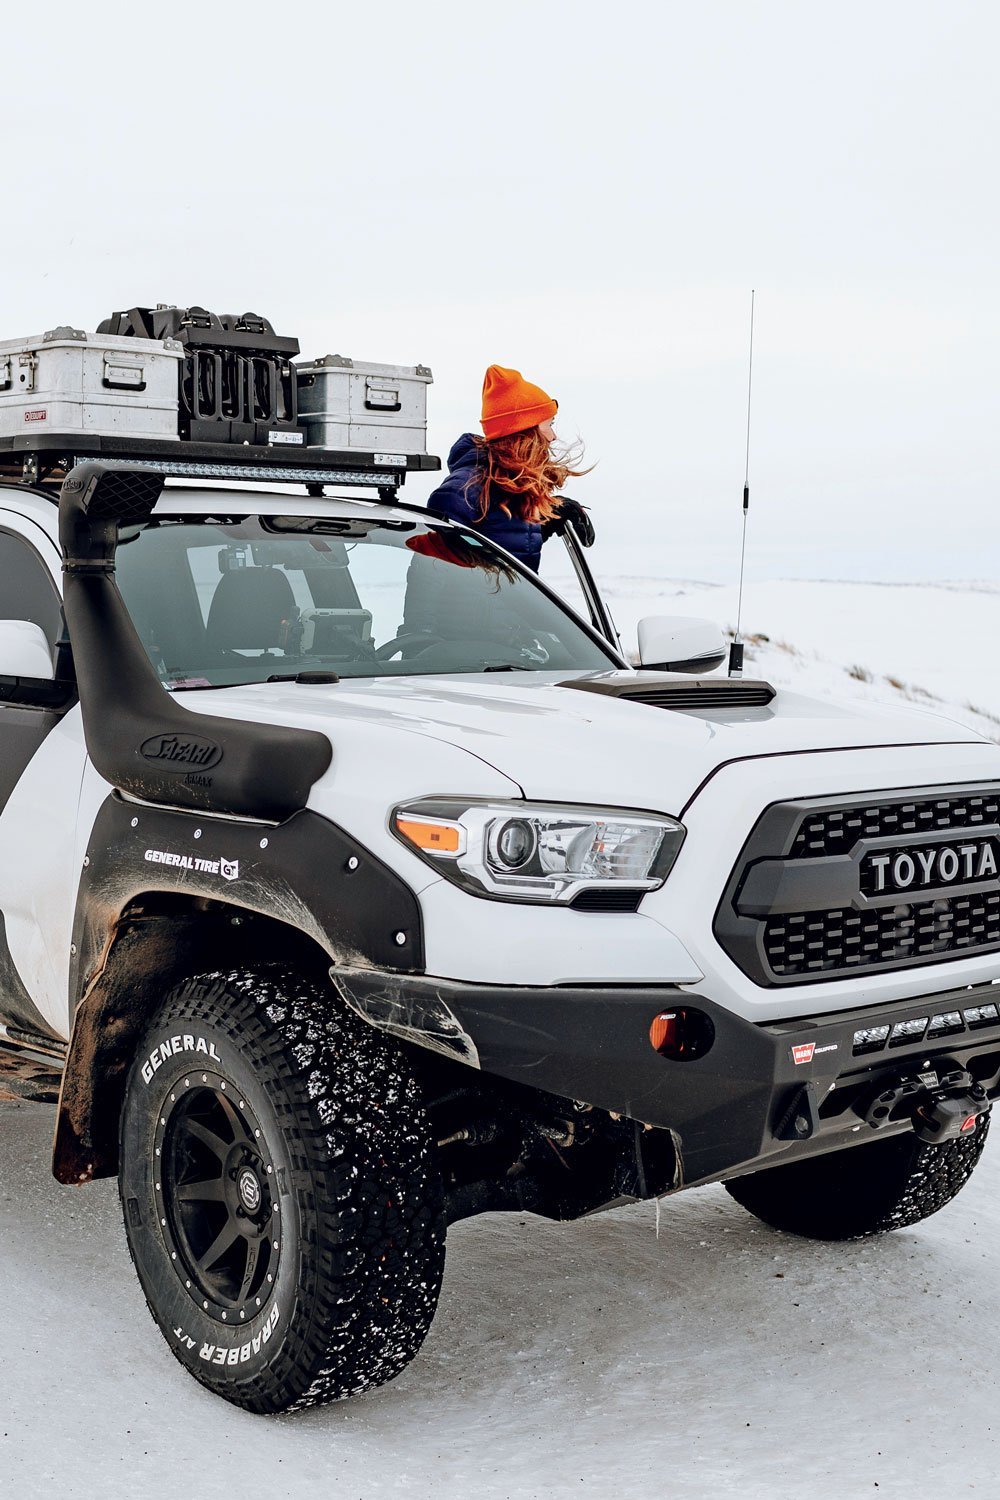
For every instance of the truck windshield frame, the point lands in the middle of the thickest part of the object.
(226, 600)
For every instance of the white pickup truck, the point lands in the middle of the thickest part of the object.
(351, 884)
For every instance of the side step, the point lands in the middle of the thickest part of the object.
(30, 1067)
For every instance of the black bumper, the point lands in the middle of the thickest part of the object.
(761, 1095)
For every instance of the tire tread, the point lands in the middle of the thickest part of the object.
(368, 1193)
(866, 1190)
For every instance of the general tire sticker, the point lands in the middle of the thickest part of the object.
(229, 869)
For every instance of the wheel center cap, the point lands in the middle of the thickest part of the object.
(249, 1189)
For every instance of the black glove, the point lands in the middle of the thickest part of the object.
(573, 512)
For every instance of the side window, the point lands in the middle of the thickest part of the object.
(26, 588)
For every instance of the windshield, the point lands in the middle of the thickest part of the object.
(241, 599)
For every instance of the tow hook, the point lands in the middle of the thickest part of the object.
(941, 1107)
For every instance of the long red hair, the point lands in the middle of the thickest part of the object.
(527, 471)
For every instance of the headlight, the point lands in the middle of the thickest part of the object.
(523, 851)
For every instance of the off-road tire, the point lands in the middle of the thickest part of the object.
(330, 1178)
(865, 1190)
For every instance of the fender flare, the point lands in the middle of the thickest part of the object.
(156, 882)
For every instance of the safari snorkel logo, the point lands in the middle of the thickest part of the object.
(180, 752)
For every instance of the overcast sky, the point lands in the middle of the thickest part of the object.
(586, 192)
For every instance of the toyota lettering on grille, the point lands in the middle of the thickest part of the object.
(894, 871)
(847, 887)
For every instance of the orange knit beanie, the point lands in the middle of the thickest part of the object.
(513, 404)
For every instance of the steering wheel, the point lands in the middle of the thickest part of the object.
(352, 649)
(406, 638)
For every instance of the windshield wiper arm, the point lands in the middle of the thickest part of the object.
(315, 678)
(507, 666)
(209, 687)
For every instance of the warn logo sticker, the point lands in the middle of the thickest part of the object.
(804, 1052)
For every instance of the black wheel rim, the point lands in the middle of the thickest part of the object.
(217, 1193)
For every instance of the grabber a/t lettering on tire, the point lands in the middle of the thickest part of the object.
(281, 1198)
(868, 1189)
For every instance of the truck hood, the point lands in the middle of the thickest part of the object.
(560, 744)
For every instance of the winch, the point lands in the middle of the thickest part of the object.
(941, 1106)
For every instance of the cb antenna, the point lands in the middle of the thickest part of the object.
(736, 649)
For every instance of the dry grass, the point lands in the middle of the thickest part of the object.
(984, 713)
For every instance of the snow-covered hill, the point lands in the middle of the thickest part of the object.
(932, 645)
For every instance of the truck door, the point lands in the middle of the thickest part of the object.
(41, 765)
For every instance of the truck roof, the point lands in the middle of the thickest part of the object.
(180, 498)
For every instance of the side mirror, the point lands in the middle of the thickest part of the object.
(676, 643)
(24, 651)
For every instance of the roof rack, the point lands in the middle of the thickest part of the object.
(46, 458)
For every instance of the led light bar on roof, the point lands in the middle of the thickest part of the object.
(276, 474)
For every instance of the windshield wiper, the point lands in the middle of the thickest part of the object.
(507, 666)
(314, 678)
(208, 687)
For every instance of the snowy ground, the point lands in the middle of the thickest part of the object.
(591, 1359)
(931, 645)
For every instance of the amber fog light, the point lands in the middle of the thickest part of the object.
(682, 1034)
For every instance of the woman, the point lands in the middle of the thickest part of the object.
(504, 483)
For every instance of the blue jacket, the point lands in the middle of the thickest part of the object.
(460, 498)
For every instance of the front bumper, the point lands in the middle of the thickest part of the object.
(737, 1108)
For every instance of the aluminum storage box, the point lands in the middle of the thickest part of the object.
(93, 383)
(349, 403)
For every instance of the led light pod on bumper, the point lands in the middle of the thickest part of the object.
(531, 851)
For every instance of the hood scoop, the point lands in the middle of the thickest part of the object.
(687, 695)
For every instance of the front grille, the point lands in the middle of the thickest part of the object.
(837, 830)
(822, 916)
(825, 942)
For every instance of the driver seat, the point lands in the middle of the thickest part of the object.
(250, 610)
